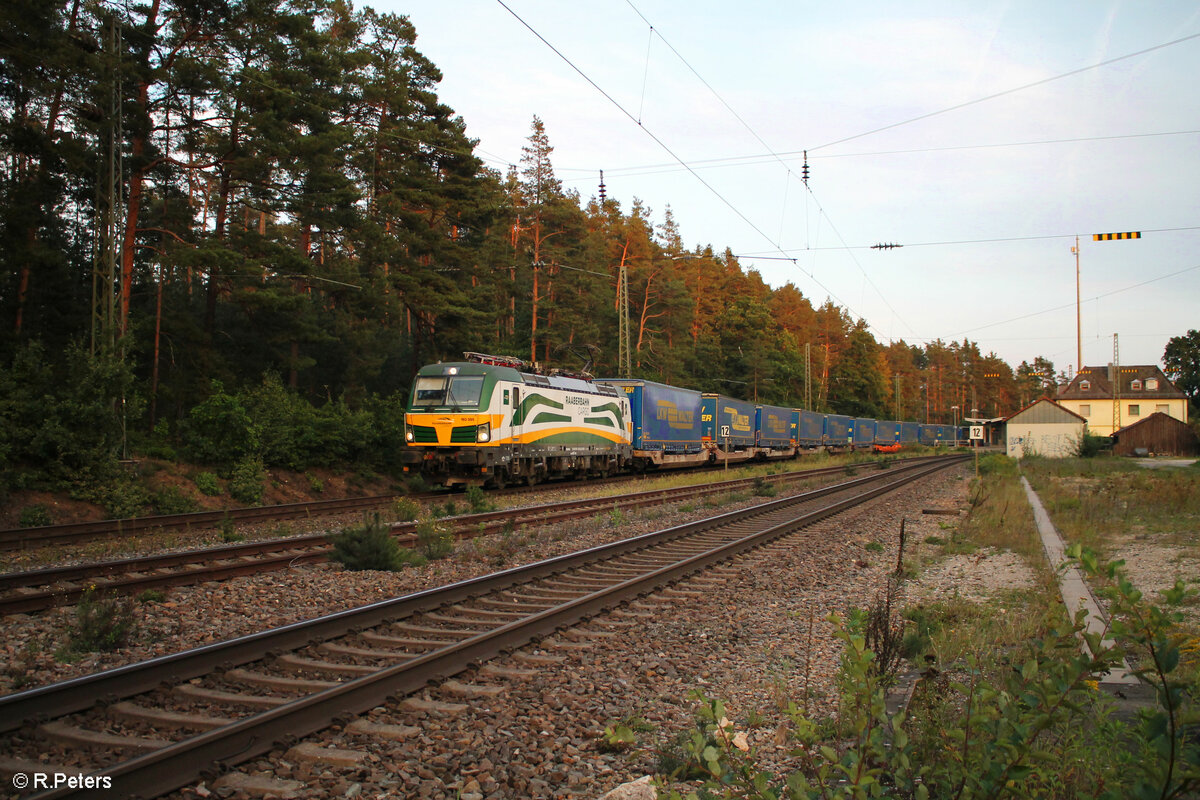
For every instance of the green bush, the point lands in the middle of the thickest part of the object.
(61, 417)
(246, 480)
(207, 483)
(370, 546)
(121, 497)
(220, 430)
(172, 500)
(35, 516)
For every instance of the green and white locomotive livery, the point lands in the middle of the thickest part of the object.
(488, 420)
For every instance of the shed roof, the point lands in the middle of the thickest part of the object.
(1101, 385)
(1045, 411)
(1157, 416)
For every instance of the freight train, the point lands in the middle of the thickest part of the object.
(495, 420)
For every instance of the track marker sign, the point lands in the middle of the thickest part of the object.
(1108, 237)
(976, 431)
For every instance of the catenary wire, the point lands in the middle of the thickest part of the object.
(1013, 90)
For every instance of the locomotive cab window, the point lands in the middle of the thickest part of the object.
(438, 391)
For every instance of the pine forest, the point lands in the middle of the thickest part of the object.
(232, 230)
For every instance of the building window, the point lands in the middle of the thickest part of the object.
(1085, 385)
(1136, 385)
(1163, 408)
(1134, 409)
(1151, 384)
(1085, 411)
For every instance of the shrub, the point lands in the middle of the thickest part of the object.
(219, 430)
(246, 480)
(369, 546)
(172, 500)
(207, 483)
(315, 484)
(35, 516)
(102, 624)
(121, 497)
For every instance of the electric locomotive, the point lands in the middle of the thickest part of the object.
(494, 420)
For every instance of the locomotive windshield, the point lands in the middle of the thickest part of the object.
(461, 391)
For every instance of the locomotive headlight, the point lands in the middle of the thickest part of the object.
(409, 436)
(484, 432)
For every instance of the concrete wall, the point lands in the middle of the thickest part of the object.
(1052, 440)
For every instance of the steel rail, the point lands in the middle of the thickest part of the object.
(169, 768)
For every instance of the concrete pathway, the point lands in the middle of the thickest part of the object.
(1074, 590)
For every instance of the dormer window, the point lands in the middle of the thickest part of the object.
(1151, 384)
(1085, 385)
(1136, 385)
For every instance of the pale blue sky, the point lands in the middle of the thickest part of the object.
(806, 75)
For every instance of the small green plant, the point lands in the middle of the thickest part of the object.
(617, 518)
(405, 509)
(617, 738)
(478, 501)
(873, 547)
(207, 483)
(435, 540)
(102, 623)
(35, 516)
(315, 484)
(369, 546)
(152, 596)
(934, 540)
(229, 531)
(449, 510)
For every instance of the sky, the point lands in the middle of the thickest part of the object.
(983, 142)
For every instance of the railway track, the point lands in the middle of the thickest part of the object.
(161, 723)
(36, 590)
(80, 532)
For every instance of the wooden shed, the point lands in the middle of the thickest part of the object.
(1159, 435)
(1043, 428)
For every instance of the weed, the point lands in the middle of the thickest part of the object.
(764, 488)
(617, 518)
(873, 547)
(315, 484)
(229, 532)
(405, 509)
(436, 541)
(102, 623)
(152, 596)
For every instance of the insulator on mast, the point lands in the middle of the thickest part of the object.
(603, 195)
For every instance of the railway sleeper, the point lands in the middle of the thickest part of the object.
(166, 719)
(473, 690)
(295, 663)
(220, 697)
(62, 733)
(277, 682)
(381, 730)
